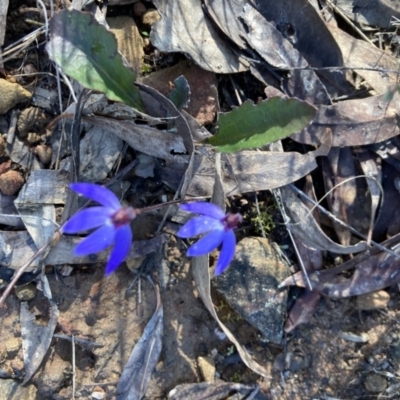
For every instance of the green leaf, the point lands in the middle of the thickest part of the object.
(180, 94)
(254, 125)
(87, 52)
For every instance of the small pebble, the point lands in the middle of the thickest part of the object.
(351, 337)
(375, 383)
(12, 346)
(372, 301)
(207, 368)
(150, 17)
(98, 393)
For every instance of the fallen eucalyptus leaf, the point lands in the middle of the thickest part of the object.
(36, 338)
(137, 372)
(17, 247)
(302, 83)
(87, 52)
(148, 140)
(360, 54)
(370, 12)
(305, 228)
(371, 274)
(354, 122)
(212, 391)
(302, 25)
(182, 24)
(245, 171)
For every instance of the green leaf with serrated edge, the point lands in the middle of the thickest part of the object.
(87, 52)
(254, 125)
(180, 95)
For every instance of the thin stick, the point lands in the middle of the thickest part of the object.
(43, 251)
(73, 367)
(46, 22)
(169, 208)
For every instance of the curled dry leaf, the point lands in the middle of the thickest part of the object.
(373, 271)
(304, 226)
(36, 338)
(151, 141)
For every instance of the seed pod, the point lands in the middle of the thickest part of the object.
(33, 138)
(44, 153)
(10, 182)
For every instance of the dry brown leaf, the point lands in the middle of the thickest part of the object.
(212, 391)
(373, 273)
(151, 141)
(302, 25)
(354, 122)
(184, 28)
(360, 54)
(370, 12)
(137, 372)
(36, 338)
(280, 53)
(303, 225)
(338, 167)
(245, 171)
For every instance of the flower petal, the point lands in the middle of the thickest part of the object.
(97, 241)
(206, 243)
(198, 225)
(97, 193)
(87, 219)
(123, 242)
(227, 252)
(203, 208)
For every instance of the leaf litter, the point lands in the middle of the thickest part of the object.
(232, 39)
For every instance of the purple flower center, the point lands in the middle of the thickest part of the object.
(231, 221)
(123, 217)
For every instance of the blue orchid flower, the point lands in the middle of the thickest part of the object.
(111, 220)
(220, 227)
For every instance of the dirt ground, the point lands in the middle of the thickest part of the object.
(315, 361)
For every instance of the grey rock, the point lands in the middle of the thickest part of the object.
(13, 390)
(250, 285)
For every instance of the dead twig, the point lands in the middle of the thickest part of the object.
(42, 252)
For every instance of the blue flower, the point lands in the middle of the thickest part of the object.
(111, 220)
(220, 228)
